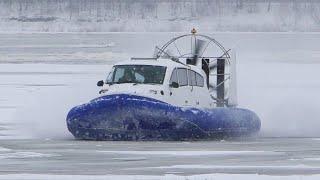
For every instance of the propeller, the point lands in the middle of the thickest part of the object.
(212, 65)
(212, 87)
(199, 45)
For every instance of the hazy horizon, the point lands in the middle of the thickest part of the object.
(159, 15)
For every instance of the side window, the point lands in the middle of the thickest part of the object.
(200, 80)
(182, 76)
(110, 76)
(192, 78)
(174, 77)
(118, 74)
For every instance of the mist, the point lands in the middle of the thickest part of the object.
(277, 79)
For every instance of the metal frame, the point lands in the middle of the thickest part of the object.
(173, 40)
(211, 41)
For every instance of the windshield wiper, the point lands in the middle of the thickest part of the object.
(134, 83)
(125, 82)
(152, 83)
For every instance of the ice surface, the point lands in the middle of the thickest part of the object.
(194, 153)
(312, 159)
(277, 78)
(62, 158)
(166, 177)
(237, 167)
(4, 149)
(24, 155)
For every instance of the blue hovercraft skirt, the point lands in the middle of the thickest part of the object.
(131, 117)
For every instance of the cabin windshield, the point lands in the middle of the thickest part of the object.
(142, 74)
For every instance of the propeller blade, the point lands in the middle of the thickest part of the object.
(213, 87)
(197, 50)
(212, 66)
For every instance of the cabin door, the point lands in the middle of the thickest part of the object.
(181, 95)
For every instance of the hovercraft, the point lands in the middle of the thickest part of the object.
(181, 93)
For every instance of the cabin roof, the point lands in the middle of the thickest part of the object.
(153, 62)
(160, 62)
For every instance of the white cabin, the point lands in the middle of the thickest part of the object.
(162, 79)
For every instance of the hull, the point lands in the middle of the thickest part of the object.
(131, 117)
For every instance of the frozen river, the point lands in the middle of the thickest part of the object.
(265, 156)
(43, 75)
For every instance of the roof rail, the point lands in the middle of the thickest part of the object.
(136, 58)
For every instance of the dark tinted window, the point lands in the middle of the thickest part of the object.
(145, 74)
(192, 78)
(182, 76)
(199, 80)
